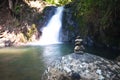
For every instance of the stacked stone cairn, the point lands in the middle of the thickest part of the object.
(79, 48)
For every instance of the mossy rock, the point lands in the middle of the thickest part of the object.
(31, 31)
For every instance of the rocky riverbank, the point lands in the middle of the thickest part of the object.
(19, 36)
(82, 67)
(9, 39)
(19, 25)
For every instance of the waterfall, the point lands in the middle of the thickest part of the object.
(50, 33)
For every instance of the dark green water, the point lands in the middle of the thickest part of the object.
(29, 63)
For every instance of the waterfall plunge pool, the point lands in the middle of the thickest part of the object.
(29, 63)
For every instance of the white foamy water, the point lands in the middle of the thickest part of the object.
(50, 33)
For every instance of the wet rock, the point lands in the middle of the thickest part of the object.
(82, 67)
(47, 14)
(69, 29)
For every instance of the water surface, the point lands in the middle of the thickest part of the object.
(29, 63)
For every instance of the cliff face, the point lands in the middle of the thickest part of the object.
(98, 20)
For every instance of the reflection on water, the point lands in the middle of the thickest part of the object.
(49, 53)
(48, 50)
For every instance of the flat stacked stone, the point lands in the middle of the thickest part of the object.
(82, 67)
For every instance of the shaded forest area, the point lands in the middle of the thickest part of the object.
(100, 20)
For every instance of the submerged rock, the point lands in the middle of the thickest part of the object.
(82, 67)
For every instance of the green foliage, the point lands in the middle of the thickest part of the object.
(58, 2)
(98, 17)
(17, 9)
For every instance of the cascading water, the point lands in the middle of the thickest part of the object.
(50, 33)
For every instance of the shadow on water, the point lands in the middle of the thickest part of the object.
(103, 52)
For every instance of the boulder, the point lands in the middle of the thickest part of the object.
(82, 67)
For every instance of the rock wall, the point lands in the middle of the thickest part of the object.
(98, 20)
(48, 12)
(69, 29)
